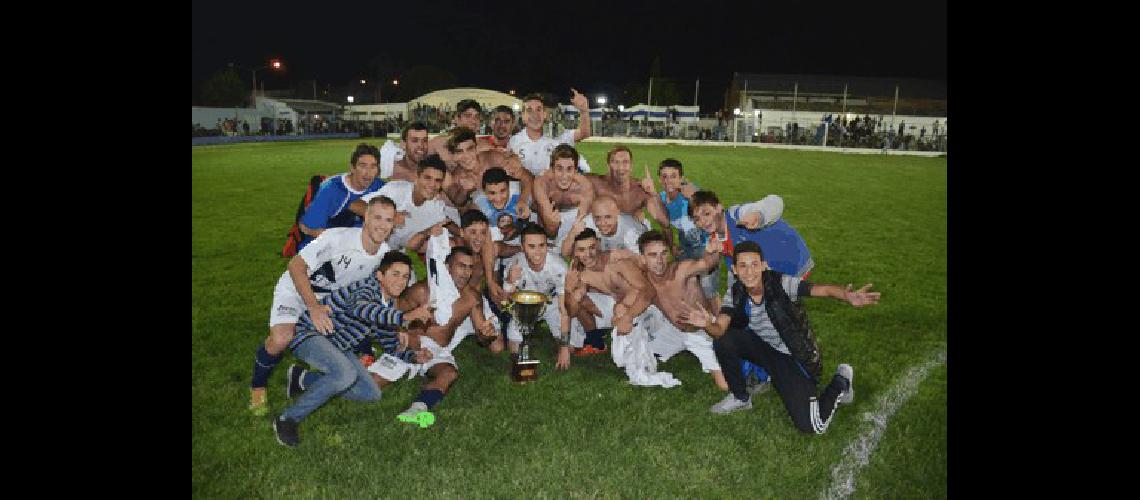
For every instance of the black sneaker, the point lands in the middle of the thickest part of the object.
(295, 374)
(286, 431)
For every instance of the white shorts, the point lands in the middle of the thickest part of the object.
(288, 306)
(605, 304)
(568, 218)
(467, 327)
(666, 340)
(553, 319)
(391, 368)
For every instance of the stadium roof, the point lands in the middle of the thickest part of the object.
(863, 86)
(488, 99)
(311, 106)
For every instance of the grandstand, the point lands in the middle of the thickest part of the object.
(853, 94)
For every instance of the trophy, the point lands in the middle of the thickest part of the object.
(526, 307)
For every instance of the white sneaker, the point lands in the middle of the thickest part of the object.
(730, 404)
(845, 371)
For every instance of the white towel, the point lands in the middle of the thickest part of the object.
(441, 288)
(631, 351)
(390, 153)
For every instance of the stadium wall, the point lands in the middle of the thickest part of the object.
(682, 142)
(214, 140)
(208, 117)
(662, 142)
(778, 118)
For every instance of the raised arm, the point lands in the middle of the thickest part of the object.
(546, 214)
(579, 101)
(514, 168)
(568, 242)
(654, 205)
(588, 193)
(705, 264)
(761, 213)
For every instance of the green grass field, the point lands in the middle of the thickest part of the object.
(583, 433)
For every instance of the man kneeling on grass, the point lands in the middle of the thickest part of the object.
(360, 312)
(763, 321)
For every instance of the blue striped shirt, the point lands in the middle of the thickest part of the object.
(359, 314)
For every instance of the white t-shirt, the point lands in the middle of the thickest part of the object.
(535, 155)
(419, 218)
(551, 279)
(335, 259)
(625, 237)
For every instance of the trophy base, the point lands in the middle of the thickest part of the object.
(524, 371)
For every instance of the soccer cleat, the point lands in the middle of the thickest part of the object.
(845, 371)
(286, 431)
(258, 402)
(589, 350)
(417, 414)
(730, 404)
(294, 389)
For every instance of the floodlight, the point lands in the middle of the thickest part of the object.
(350, 99)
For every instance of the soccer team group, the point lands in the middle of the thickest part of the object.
(491, 215)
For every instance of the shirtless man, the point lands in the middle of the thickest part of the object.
(615, 231)
(413, 143)
(439, 340)
(632, 196)
(533, 148)
(468, 115)
(502, 128)
(463, 184)
(477, 235)
(622, 292)
(677, 284)
(561, 194)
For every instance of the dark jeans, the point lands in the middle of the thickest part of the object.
(794, 385)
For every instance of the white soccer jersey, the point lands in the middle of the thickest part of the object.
(335, 259)
(535, 155)
(551, 279)
(419, 218)
(625, 237)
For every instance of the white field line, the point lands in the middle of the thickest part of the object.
(858, 453)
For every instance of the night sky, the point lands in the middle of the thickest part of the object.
(593, 46)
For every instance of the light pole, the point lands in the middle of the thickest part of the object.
(273, 63)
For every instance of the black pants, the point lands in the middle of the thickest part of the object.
(794, 385)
